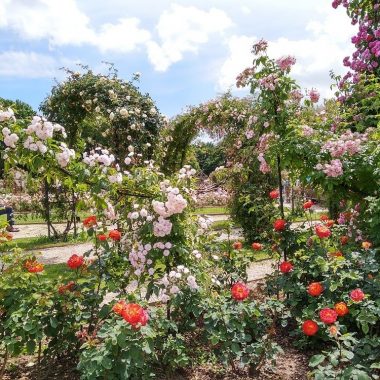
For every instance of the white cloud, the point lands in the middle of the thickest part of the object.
(30, 65)
(122, 37)
(321, 50)
(184, 29)
(61, 22)
(239, 58)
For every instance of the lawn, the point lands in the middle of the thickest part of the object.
(41, 242)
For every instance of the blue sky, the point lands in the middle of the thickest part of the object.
(186, 51)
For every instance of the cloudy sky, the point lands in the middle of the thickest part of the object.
(187, 51)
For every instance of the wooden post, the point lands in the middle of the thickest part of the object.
(47, 206)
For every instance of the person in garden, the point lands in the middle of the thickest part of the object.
(8, 211)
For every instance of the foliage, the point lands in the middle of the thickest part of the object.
(209, 156)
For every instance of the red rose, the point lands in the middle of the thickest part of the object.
(310, 327)
(328, 316)
(119, 307)
(115, 235)
(68, 287)
(90, 221)
(315, 289)
(329, 223)
(357, 295)
(341, 309)
(102, 237)
(344, 240)
(336, 254)
(322, 231)
(239, 291)
(133, 314)
(286, 267)
(32, 266)
(308, 205)
(237, 245)
(75, 261)
(323, 218)
(279, 224)
(274, 194)
(257, 246)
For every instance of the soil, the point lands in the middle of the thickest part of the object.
(291, 365)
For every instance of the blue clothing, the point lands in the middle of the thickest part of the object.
(9, 212)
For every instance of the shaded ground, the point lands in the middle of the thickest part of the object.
(291, 365)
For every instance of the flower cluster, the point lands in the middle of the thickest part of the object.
(175, 203)
(10, 139)
(285, 63)
(179, 276)
(264, 167)
(63, 157)
(186, 172)
(7, 115)
(332, 169)
(132, 313)
(349, 142)
(39, 131)
(98, 156)
(269, 82)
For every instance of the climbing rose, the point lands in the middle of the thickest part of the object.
(145, 318)
(344, 240)
(32, 266)
(279, 224)
(274, 194)
(308, 205)
(133, 314)
(90, 221)
(366, 245)
(115, 235)
(328, 316)
(357, 295)
(257, 246)
(102, 237)
(315, 289)
(237, 245)
(314, 95)
(322, 231)
(286, 267)
(75, 261)
(239, 291)
(310, 327)
(341, 309)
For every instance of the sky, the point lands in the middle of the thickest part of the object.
(186, 51)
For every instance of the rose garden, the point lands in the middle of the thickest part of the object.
(161, 293)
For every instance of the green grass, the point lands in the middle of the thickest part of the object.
(315, 215)
(41, 242)
(222, 225)
(212, 210)
(53, 271)
(32, 218)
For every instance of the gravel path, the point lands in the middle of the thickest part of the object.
(58, 255)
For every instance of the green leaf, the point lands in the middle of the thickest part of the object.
(106, 362)
(316, 360)
(235, 347)
(53, 322)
